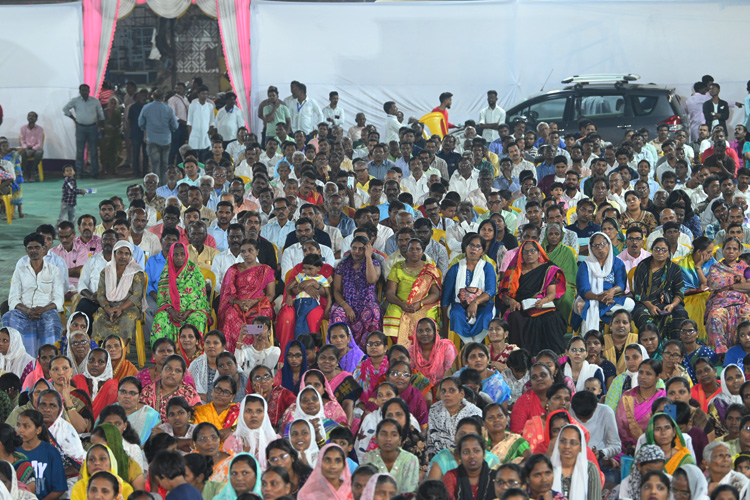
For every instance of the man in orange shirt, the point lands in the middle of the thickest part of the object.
(446, 99)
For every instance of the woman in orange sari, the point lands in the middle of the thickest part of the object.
(220, 411)
(246, 292)
(413, 292)
(121, 367)
(528, 289)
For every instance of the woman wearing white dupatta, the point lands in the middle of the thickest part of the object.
(121, 294)
(578, 366)
(574, 476)
(469, 289)
(310, 408)
(732, 378)
(13, 355)
(600, 277)
(296, 439)
(254, 429)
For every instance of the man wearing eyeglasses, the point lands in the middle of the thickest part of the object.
(634, 253)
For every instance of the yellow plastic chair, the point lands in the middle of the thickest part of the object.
(140, 339)
(210, 276)
(630, 278)
(435, 122)
(515, 209)
(569, 214)
(480, 210)
(245, 179)
(41, 171)
(8, 208)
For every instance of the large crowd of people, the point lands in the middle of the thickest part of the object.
(363, 314)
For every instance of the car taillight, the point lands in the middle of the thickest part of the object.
(674, 122)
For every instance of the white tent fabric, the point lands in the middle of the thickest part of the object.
(109, 23)
(410, 52)
(168, 8)
(42, 58)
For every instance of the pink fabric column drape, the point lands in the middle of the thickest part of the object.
(99, 22)
(234, 25)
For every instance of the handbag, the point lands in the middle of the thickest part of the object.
(467, 294)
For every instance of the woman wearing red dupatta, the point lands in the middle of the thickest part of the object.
(181, 296)
(531, 275)
(246, 292)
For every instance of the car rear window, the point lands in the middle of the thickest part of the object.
(647, 104)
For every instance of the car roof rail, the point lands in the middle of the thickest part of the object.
(618, 79)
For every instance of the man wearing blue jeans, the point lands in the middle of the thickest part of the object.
(159, 122)
(89, 118)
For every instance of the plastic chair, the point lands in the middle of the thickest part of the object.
(245, 179)
(140, 339)
(435, 122)
(630, 278)
(569, 214)
(8, 208)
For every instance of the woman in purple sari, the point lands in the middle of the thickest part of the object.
(354, 283)
(350, 354)
(634, 409)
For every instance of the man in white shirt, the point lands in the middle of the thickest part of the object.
(271, 156)
(306, 113)
(333, 113)
(519, 164)
(599, 420)
(355, 132)
(417, 183)
(145, 240)
(36, 296)
(465, 179)
(88, 283)
(201, 121)
(279, 227)
(293, 255)
(229, 119)
(491, 117)
(226, 259)
(392, 125)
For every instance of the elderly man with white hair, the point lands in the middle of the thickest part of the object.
(718, 461)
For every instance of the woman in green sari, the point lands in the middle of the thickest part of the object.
(505, 445)
(611, 228)
(565, 258)
(664, 433)
(181, 296)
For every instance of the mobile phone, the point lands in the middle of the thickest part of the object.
(350, 182)
(671, 410)
(252, 329)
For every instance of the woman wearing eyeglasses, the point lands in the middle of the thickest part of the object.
(658, 292)
(601, 280)
(469, 287)
(728, 303)
(529, 287)
(221, 411)
(578, 368)
(533, 402)
(278, 397)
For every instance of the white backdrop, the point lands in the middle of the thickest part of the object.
(42, 66)
(410, 52)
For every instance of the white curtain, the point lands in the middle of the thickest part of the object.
(168, 8)
(109, 23)
(234, 25)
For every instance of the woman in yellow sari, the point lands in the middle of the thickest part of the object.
(671, 442)
(413, 293)
(220, 412)
(695, 267)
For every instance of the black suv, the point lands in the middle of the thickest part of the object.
(612, 102)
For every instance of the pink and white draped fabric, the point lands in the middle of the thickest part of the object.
(168, 8)
(234, 25)
(99, 22)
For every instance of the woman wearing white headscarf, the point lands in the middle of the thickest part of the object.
(310, 408)
(600, 277)
(97, 380)
(732, 378)
(15, 493)
(574, 476)
(297, 439)
(697, 487)
(121, 295)
(254, 429)
(76, 343)
(13, 355)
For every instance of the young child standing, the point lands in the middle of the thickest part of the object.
(305, 294)
(70, 194)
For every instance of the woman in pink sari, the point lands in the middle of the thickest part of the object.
(634, 409)
(246, 292)
(332, 483)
